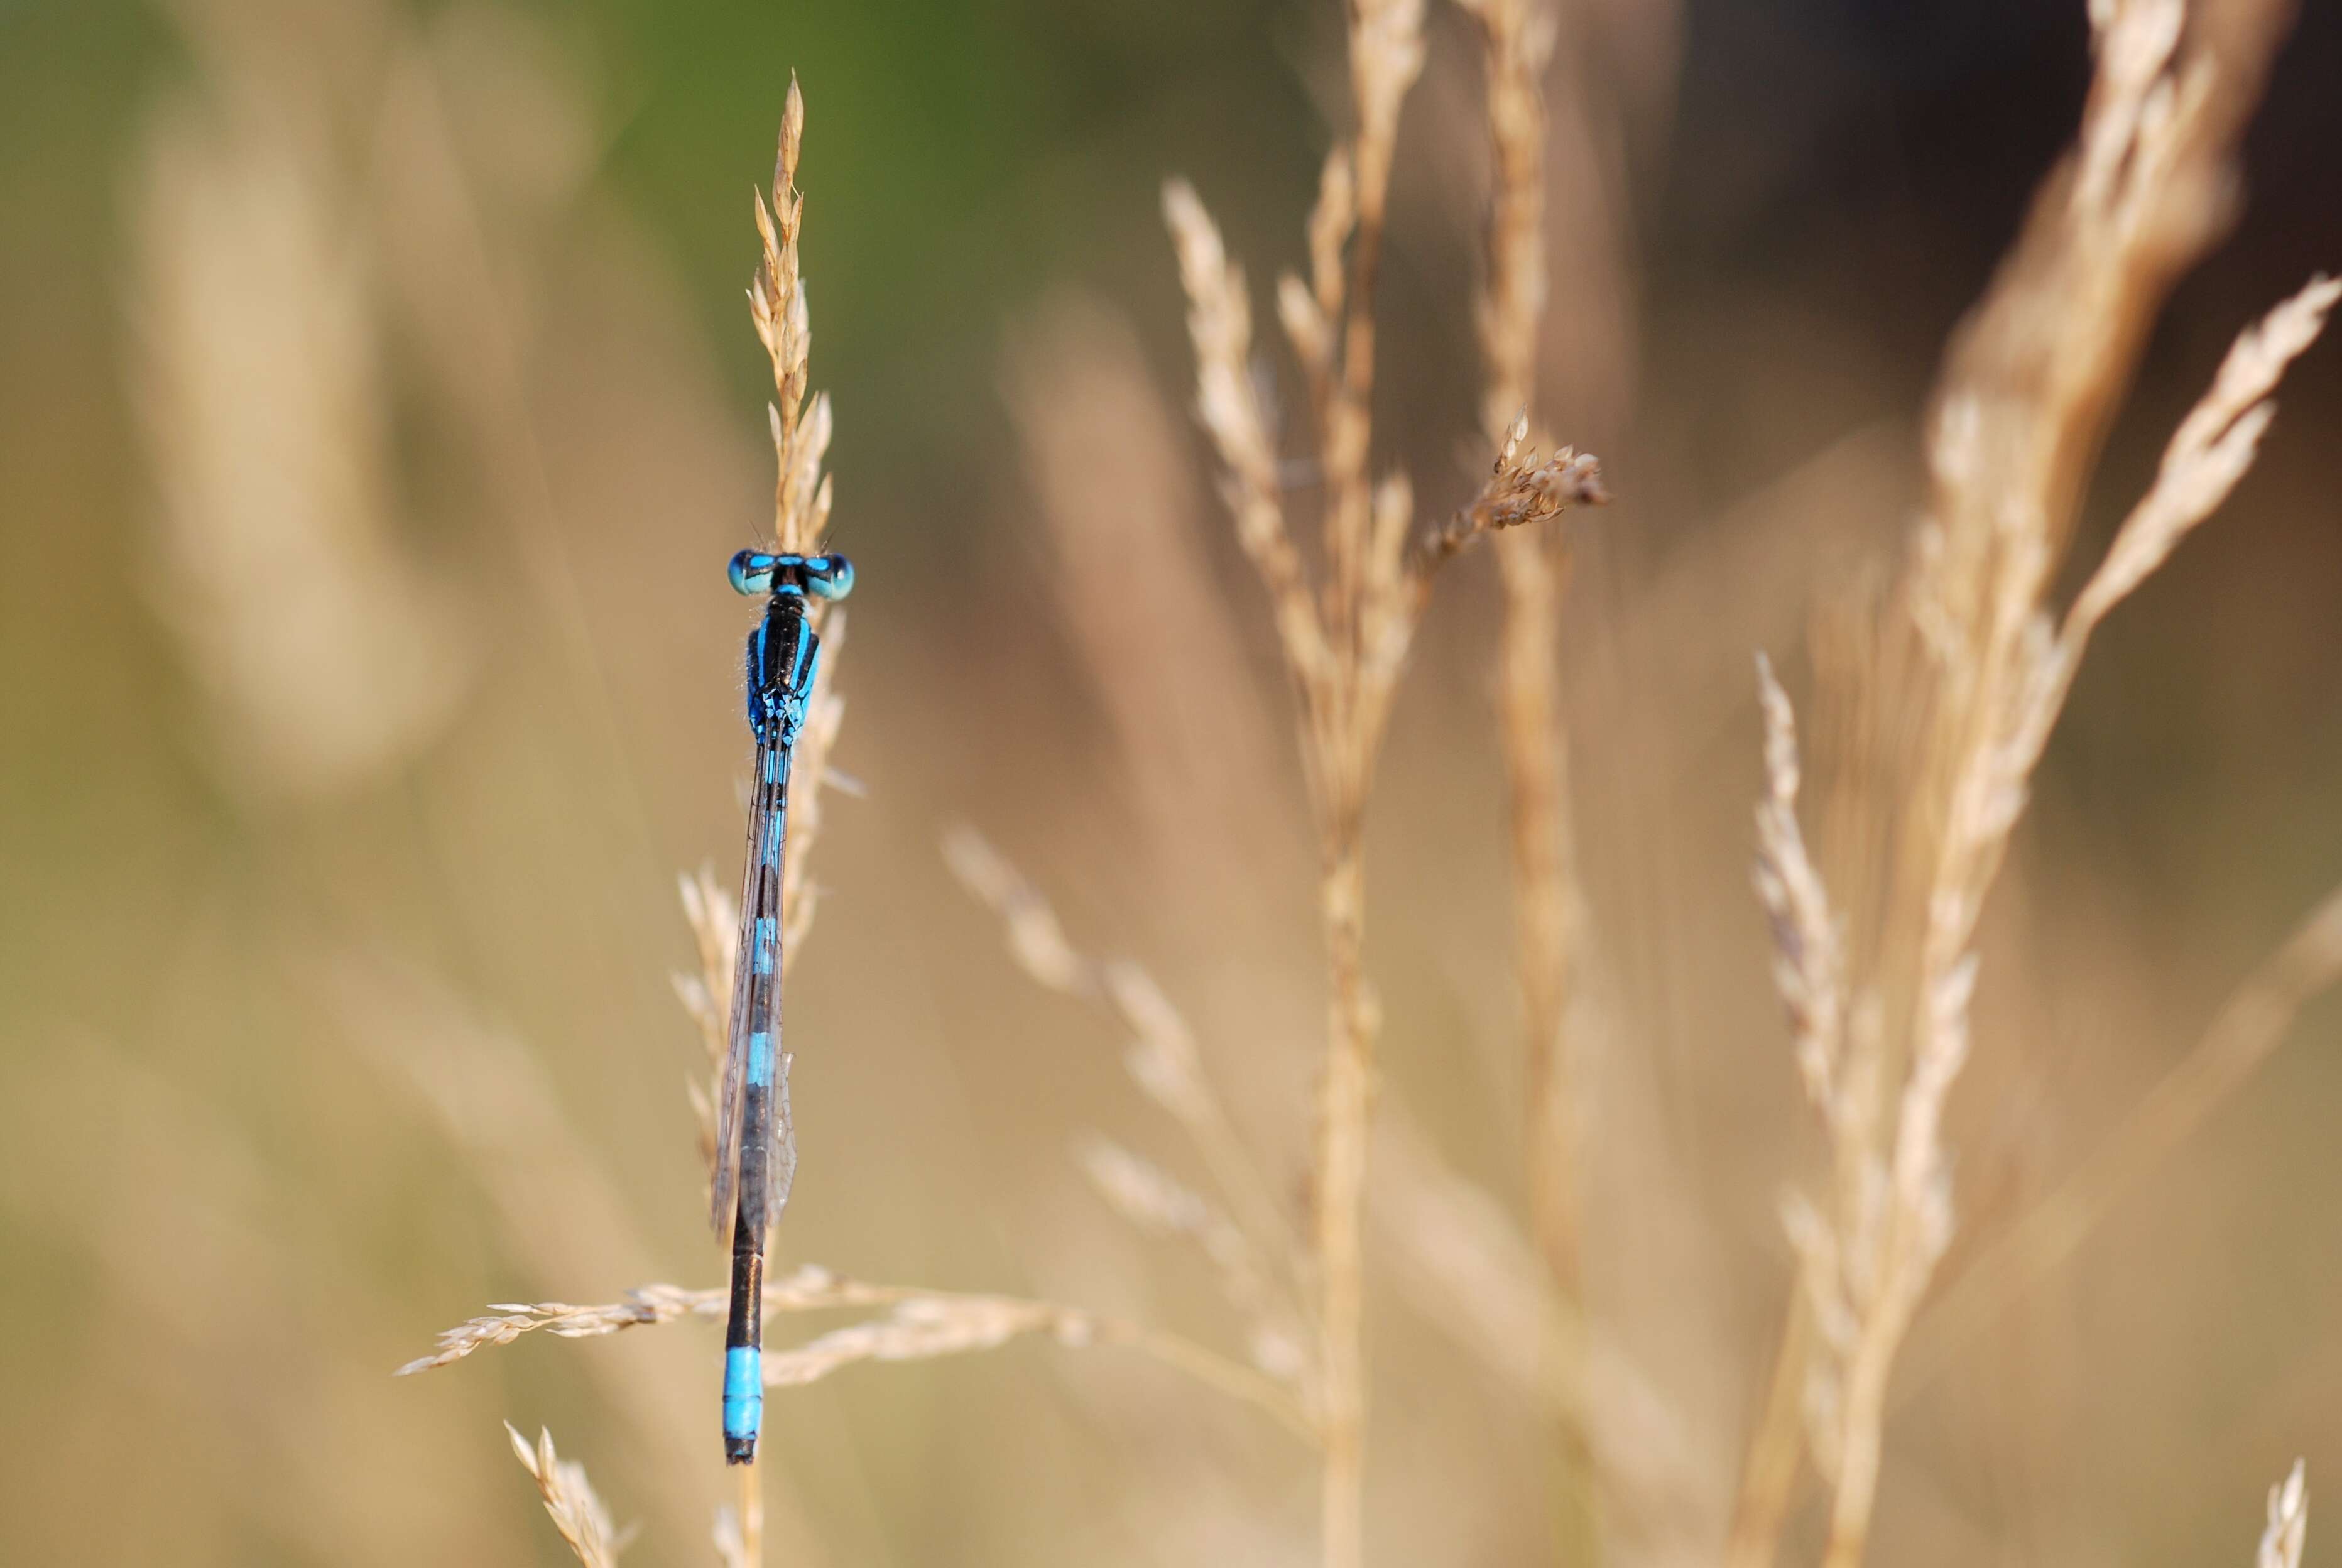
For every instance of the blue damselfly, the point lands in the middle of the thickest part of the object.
(755, 1148)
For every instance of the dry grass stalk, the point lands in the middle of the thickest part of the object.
(579, 1514)
(1344, 639)
(1983, 673)
(749, 1521)
(735, 1527)
(1517, 43)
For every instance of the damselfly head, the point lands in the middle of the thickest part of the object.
(755, 572)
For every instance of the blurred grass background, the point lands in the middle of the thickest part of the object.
(339, 876)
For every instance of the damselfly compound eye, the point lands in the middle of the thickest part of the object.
(752, 571)
(831, 576)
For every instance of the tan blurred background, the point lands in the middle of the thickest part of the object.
(378, 408)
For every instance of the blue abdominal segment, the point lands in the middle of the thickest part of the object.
(744, 1392)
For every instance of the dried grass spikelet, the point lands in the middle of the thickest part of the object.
(576, 1512)
(806, 1288)
(714, 917)
(1161, 1056)
(921, 1328)
(508, 1321)
(776, 300)
(1520, 489)
(1253, 1251)
(1219, 321)
(825, 716)
(2289, 1521)
(1155, 1202)
(1144, 1193)
(1965, 676)
(918, 1324)
(1809, 963)
(1307, 310)
(1037, 940)
(2212, 449)
(730, 1538)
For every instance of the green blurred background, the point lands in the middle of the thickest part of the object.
(378, 406)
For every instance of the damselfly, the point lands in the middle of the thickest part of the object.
(756, 1149)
